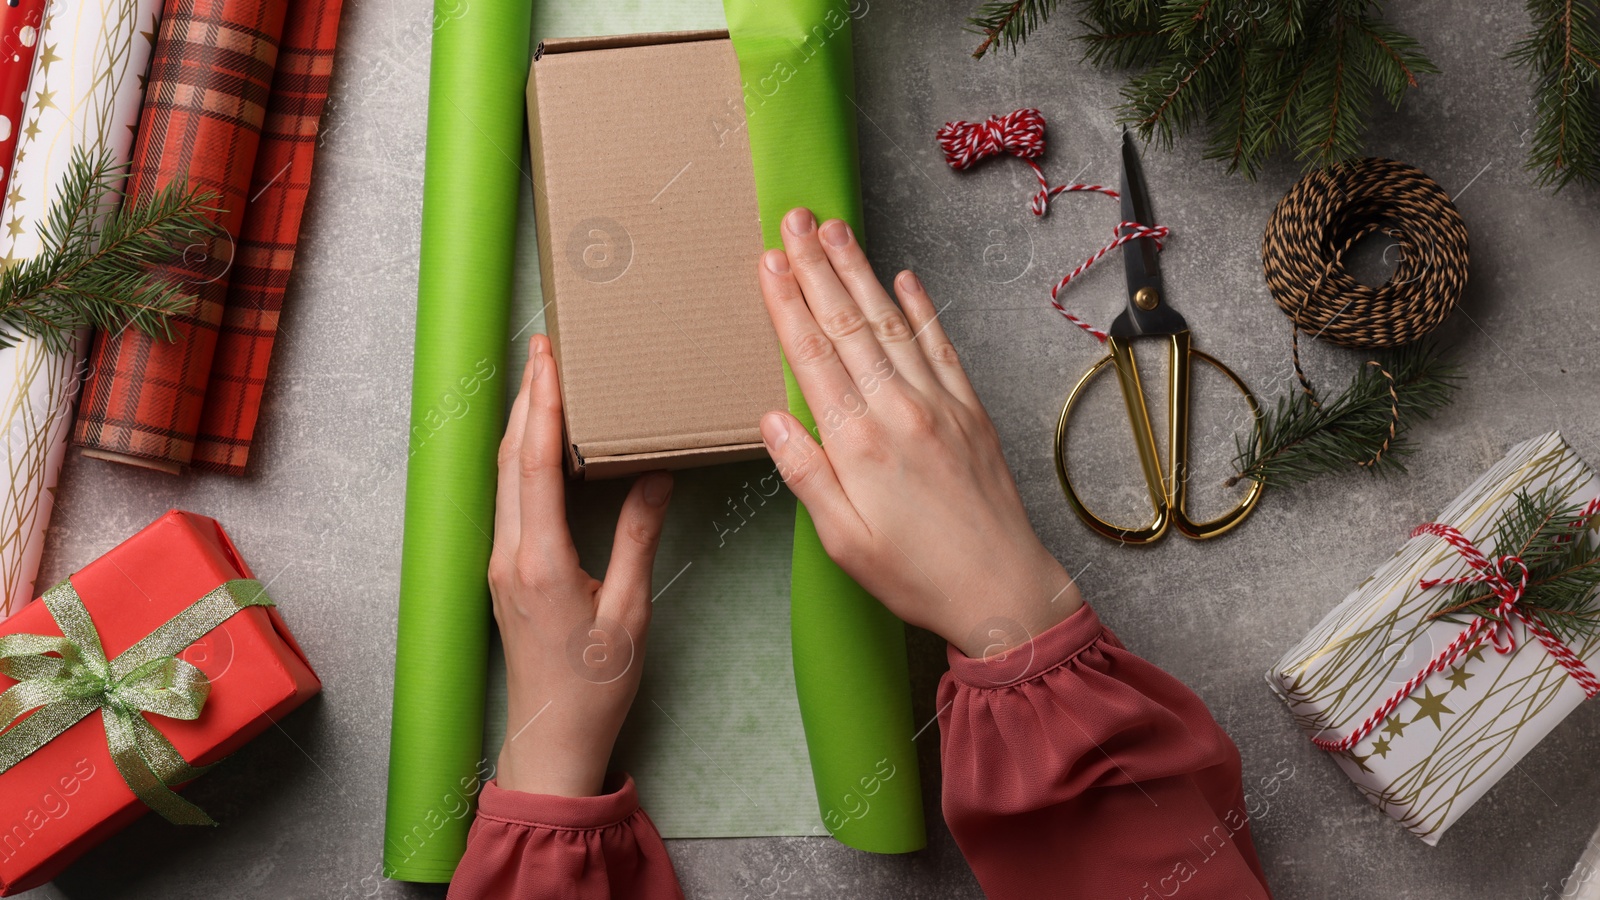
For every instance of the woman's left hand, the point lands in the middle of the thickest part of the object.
(574, 645)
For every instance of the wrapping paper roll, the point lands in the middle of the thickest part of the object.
(264, 259)
(849, 651)
(202, 118)
(85, 90)
(469, 220)
(19, 41)
(718, 686)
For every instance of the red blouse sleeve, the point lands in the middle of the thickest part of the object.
(1074, 768)
(526, 846)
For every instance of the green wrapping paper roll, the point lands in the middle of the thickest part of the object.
(849, 651)
(469, 219)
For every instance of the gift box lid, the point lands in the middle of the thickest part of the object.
(68, 796)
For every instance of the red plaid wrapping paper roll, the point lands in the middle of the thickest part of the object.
(204, 107)
(265, 257)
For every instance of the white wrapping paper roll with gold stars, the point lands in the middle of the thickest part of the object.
(87, 86)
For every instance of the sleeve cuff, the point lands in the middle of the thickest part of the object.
(1050, 650)
(552, 811)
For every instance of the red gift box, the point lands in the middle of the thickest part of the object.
(68, 795)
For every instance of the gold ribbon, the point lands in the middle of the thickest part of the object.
(61, 680)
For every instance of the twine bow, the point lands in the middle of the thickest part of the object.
(1494, 628)
(1021, 134)
(61, 680)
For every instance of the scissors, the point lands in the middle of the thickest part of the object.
(1149, 316)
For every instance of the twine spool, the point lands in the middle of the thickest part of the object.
(1325, 214)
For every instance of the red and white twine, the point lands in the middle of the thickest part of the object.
(1021, 134)
(1495, 628)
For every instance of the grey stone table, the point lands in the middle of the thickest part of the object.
(321, 512)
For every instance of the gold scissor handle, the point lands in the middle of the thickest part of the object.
(1168, 491)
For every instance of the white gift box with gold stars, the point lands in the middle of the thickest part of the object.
(1463, 728)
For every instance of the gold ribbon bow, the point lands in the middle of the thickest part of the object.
(61, 680)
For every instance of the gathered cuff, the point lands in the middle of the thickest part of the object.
(1049, 650)
(1072, 749)
(566, 813)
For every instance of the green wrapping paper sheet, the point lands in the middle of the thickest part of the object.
(849, 651)
(715, 741)
(469, 219)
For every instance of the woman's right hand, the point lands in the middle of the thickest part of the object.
(909, 490)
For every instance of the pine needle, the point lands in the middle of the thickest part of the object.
(94, 269)
(1300, 440)
(1545, 531)
(1563, 52)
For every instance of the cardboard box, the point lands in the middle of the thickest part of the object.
(649, 237)
(68, 796)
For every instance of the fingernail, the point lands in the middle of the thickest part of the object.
(835, 233)
(911, 281)
(776, 261)
(799, 221)
(775, 431)
(657, 488)
(538, 359)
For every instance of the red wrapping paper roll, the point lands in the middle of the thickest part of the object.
(19, 41)
(265, 257)
(204, 107)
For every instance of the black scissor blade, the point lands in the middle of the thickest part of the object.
(1140, 261)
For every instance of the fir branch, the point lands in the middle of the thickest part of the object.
(1261, 77)
(1563, 52)
(94, 269)
(1332, 122)
(1397, 48)
(1124, 49)
(1300, 440)
(1546, 531)
(1164, 101)
(1276, 96)
(1008, 22)
(1285, 23)
(1120, 36)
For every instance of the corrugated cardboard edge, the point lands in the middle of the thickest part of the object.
(622, 464)
(688, 442)
(634, 463)
(607, 42)
(541, 217)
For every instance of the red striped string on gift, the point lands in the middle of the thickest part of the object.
(1495, 627)
(1021, 134)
